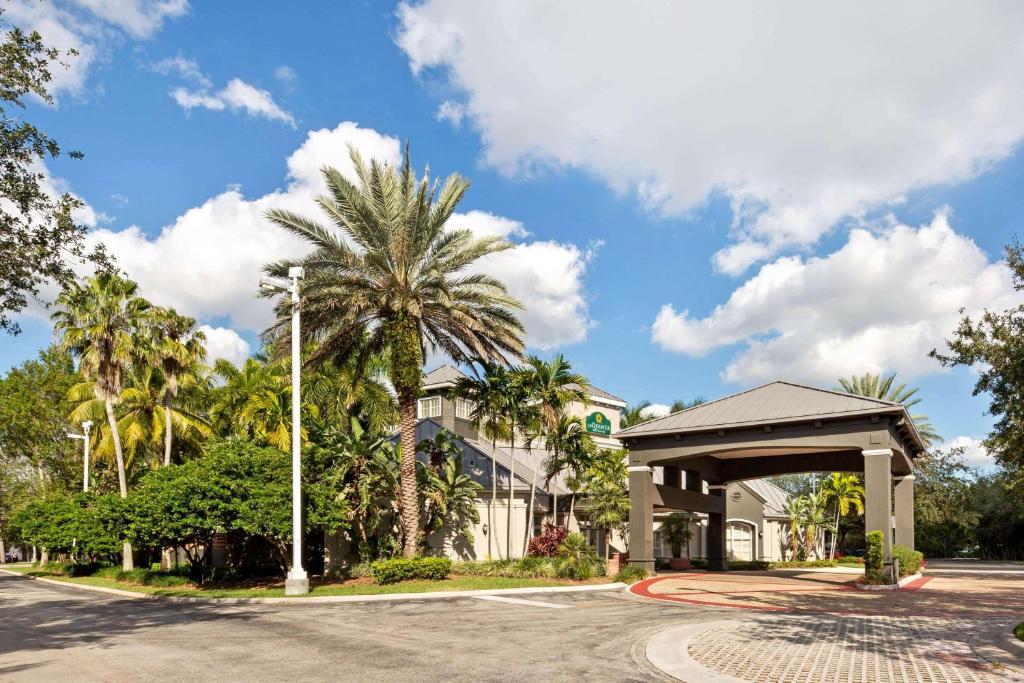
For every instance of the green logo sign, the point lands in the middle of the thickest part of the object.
(597, 423)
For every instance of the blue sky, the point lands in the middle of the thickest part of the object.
(700, 204)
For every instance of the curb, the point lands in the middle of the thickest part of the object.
(889, 586)
(668, 651)
(389, 597)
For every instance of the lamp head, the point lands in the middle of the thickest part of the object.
(86, 426)
(296, 272)
(269, 284)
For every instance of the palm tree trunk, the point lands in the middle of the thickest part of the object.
(529, 516)
(554, 508)
(491, 511)
(511, 491)
(168, 432)
(127, 562)
(410, 504)
(835, 535)
(572, 502)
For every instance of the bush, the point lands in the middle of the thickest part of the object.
(148, 577)
(748, 565)
(631, 574)
(800, 564)
(873, 558)
(526, 568)
(699, 563)
(909, 560)
(850, 559)
(546, 544)
(403, 569)
(577, 560)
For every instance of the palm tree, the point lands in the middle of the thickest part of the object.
(847, 493)
(486, 394)
(815, 520)
(551, 387)
(450, 496)
(572, 450)
(143, 417)
(634, 415)
(342, 392)
(680, 405)
(795, 510)
(886, 389)
(522, 415)
(99, 321)
(397, 282)
(178, 348)
(607, 506)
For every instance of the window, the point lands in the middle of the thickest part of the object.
(429, 407)
(463, 408)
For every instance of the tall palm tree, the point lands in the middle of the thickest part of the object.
(630, 416)
(846, 493)
(815, 520)
(395, 279)
(680, 405)
(341, 392)
(795, 509)
(551, 387)
(450, 495)
(572, 450)
(522, 416)
(99, 321)
(607, 506)
(486, 394)
(886, 389)
(179, 349)
(142, 420)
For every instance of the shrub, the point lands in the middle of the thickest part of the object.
(675, 530)
(873, 558)
(909, 560)
(631, 574)
(800, 564)
(546, 544)
(748, 565)
(525, 568)
(403, 569)
(699, 563)
(850, 559)
(148, 577)
(577, 560)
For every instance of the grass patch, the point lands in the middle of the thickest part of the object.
(1018, 631)
(275, 589)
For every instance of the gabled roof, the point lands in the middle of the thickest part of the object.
(773, 497)
(768, 404)
(442, 376)
(601, 393)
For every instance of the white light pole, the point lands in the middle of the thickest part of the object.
(84, 436)
(297, 582)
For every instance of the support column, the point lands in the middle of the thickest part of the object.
(878, 497)
(717, 558)
(904, 504)
(641, 517)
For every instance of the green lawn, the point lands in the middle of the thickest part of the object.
(457, 583)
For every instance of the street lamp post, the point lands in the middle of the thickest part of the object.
(84, 436)
(297, 582)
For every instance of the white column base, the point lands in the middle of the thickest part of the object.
(297, 582)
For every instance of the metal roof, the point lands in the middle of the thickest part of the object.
(445, 374)
(774, 498)
(768, 404)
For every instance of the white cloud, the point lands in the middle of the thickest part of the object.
(286, 75)
(452, 112)
(182, 67)
(225, 343)
(140, 18)
(91, 28)
(655, 410)
(237, 95)
(974, 451)
(801, 114)
(207, 262)
(879, 303)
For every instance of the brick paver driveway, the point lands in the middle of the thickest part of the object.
(816, 626)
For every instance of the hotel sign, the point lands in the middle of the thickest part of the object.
(598, 423)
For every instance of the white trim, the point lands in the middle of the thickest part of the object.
(717, 487)
(877, 451)
(438, 385)
(638, 468)
(905, 477)
(610, 402)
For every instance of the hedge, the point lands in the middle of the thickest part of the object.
(804, 564)
(404, 569)
(631, 574)
(910, 560)
(873, 558)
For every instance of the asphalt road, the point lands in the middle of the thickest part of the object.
(54, 633)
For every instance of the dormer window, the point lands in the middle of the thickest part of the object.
(463, 408)
(429, 407)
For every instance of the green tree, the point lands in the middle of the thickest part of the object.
(39, 238)
(450, 501)
(796, 509)
(680, 405)
(99, 321)
(676, 532)
(886, 389)
(398, 282)
(847, 494)
(486, 393)
(179, 351)
(572, 452)
(607, 507)
(993, 346)
(946, 509)
(551, 387)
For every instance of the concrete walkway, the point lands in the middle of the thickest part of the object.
(812, 627)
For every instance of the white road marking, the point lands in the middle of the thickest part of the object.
(520, 601)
